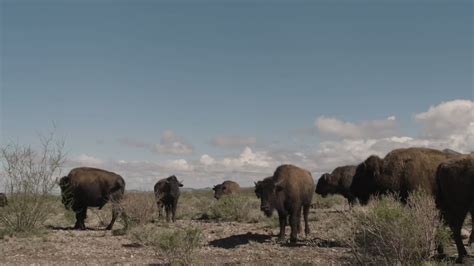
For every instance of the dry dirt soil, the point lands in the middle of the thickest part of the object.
(223, 243)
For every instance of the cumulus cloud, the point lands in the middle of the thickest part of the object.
(447, 125)
(87, 160)
(170, 144)
(334, 127)
(454, 118)
(233, 141)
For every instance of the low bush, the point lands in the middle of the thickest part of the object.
(238, 208)
(139, 208)
(330, 201)
(29, 178)
(389, 233)
(177, 245)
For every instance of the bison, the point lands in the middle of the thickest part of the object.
(338, 182)
(289, 190)
(167, 195)
(91, 187)
(226, 188)
(401, 171)
(455, 197)
(3, 200)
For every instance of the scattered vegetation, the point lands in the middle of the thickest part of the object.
(388, 233)
(139, 208)
(29, 178)
(178, 245)
(330, 201)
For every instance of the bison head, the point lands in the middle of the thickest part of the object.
(363, 184)
(66, 192)
(324, 186)
(266, 190)
(173, 185)
(220, 190)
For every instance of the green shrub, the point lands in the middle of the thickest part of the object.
(330, 201)
(237, 208)
(389, 233)
(177, 245)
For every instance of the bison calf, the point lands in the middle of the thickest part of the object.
(289, 190)
(455, 197)
(90, 187)
(167, 195)
(337, 182)
(226, 188)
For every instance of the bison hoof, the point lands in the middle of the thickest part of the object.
(293, 240)
(108, 228)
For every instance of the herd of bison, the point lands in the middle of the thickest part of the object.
(447, 176)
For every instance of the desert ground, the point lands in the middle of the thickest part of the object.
(247, 238)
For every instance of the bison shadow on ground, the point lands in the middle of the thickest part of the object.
(70, 228)
(238, 240)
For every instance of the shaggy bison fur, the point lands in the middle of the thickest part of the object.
(91, 187)
(289, 191)
(337, 182)
(226, 188)
(167, 195)
(401, 171)
(455, 198)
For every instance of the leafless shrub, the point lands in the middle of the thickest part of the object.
(388, 233)
(139, 207)
(29, 179)
(178, 245)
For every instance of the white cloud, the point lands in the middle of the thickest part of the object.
(172, 144)
(177, 165)
(87, 160)
(367, 129)
(233, 141)
(450, 126)
(447, 119)
(207, 160)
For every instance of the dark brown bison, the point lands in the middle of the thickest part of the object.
(289, 190)
(167, 195)
(455, 197)
(402, 171)
(3, 200)
(90, 187)
(226, 188)
(337, 182)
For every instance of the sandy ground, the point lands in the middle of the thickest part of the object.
(223, 243)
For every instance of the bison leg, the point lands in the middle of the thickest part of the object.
(305, 216)
(294, 221)
(168, 212)
(80, 217)
(116, 210)
(173, 210)
(160, 209)
(115, 198)
(282, 218)
(455, 222)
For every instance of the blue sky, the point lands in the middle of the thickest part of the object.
(116, 77)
